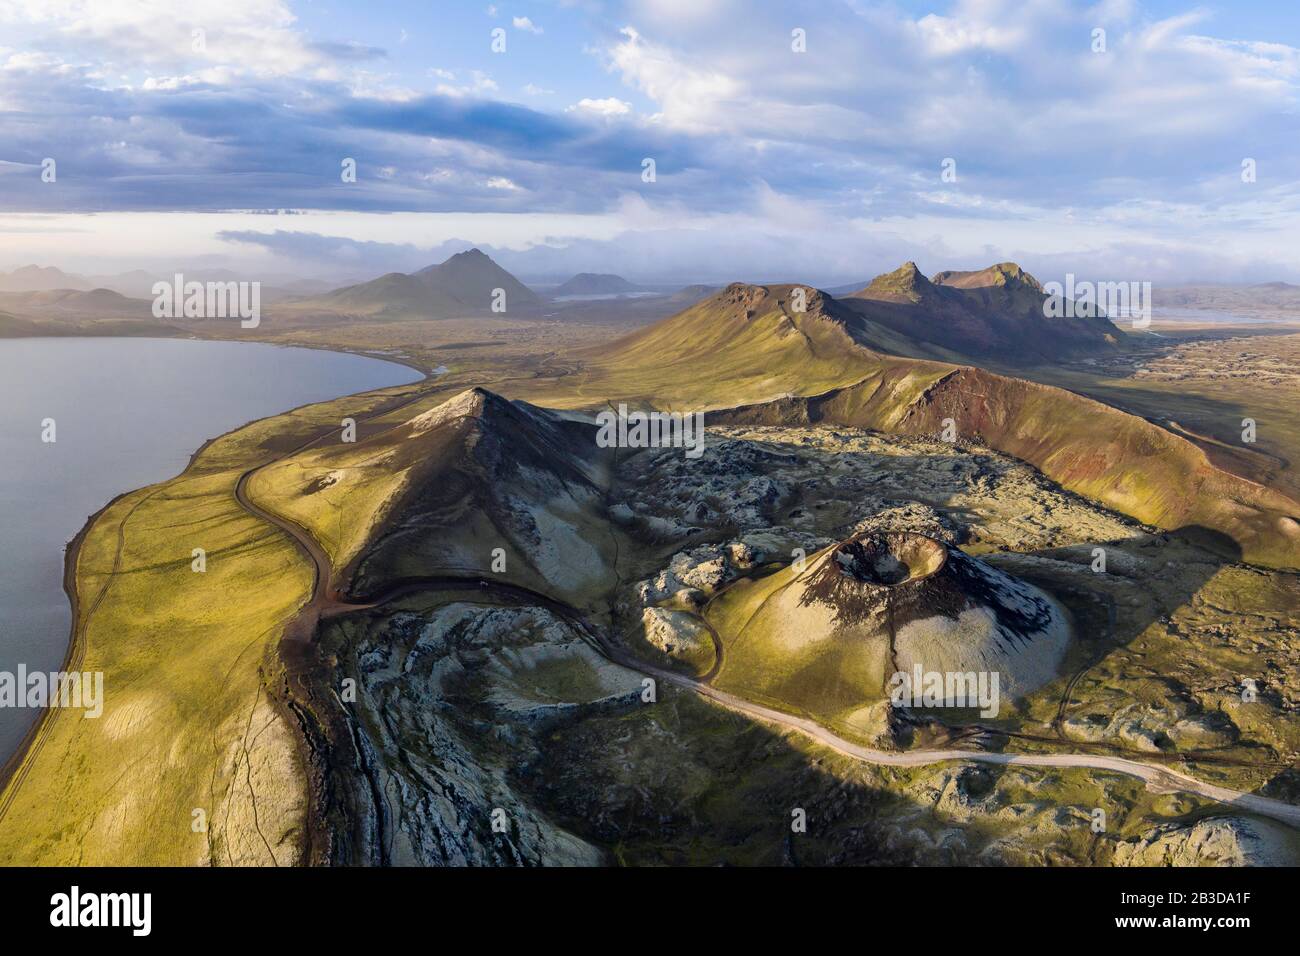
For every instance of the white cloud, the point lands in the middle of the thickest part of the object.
(609, 106)
(501, 182)
(688, 96)
(525, 24)
(947, 35)
(480, 84)
(257, 35)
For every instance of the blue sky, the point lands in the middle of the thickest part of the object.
(820, 166)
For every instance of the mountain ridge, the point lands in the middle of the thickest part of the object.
(996, 312)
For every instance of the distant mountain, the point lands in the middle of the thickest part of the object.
(139, 283)
(463, 285)
(693, 293)
(995, 313)
(472, 277)
(1263, 297)
(42, 279)
(595, 283)
(92, 303)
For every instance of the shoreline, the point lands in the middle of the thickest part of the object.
(14, 768)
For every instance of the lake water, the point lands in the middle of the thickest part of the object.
(1218, 317)
(127, 413)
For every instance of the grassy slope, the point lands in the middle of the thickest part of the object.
(187, 722)
(774, 661)
(365, 481)
(741, 346)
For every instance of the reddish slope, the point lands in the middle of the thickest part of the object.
(1118, 459)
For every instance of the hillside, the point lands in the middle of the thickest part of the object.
(1110, 456)
(743, 344)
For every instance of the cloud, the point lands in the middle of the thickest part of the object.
(689, 96)
(609, 106)
(251, 37)
(948, 35)
(525, 24)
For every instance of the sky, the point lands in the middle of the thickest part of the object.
(1105, 139)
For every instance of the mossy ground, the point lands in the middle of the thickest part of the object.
(187, 723)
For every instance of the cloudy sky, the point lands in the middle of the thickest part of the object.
(215, 131)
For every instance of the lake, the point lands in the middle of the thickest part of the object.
(128, 413)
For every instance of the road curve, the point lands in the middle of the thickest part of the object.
(1160, 779)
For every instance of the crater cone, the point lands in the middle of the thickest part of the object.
(831, 637)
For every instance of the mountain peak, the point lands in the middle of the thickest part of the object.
(476, 402)
(1009, 273)
(907, 281)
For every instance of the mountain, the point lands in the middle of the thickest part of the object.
(489, 469)
(479, 468)
(471, 277)
(1270, 297)
(691, 294)
(463, 285)
(42, 279)
(1003, 275)
(1105, 454)
(994, 313)
(593, 283)
(91, 304)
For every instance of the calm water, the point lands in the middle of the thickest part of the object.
(128, 413)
